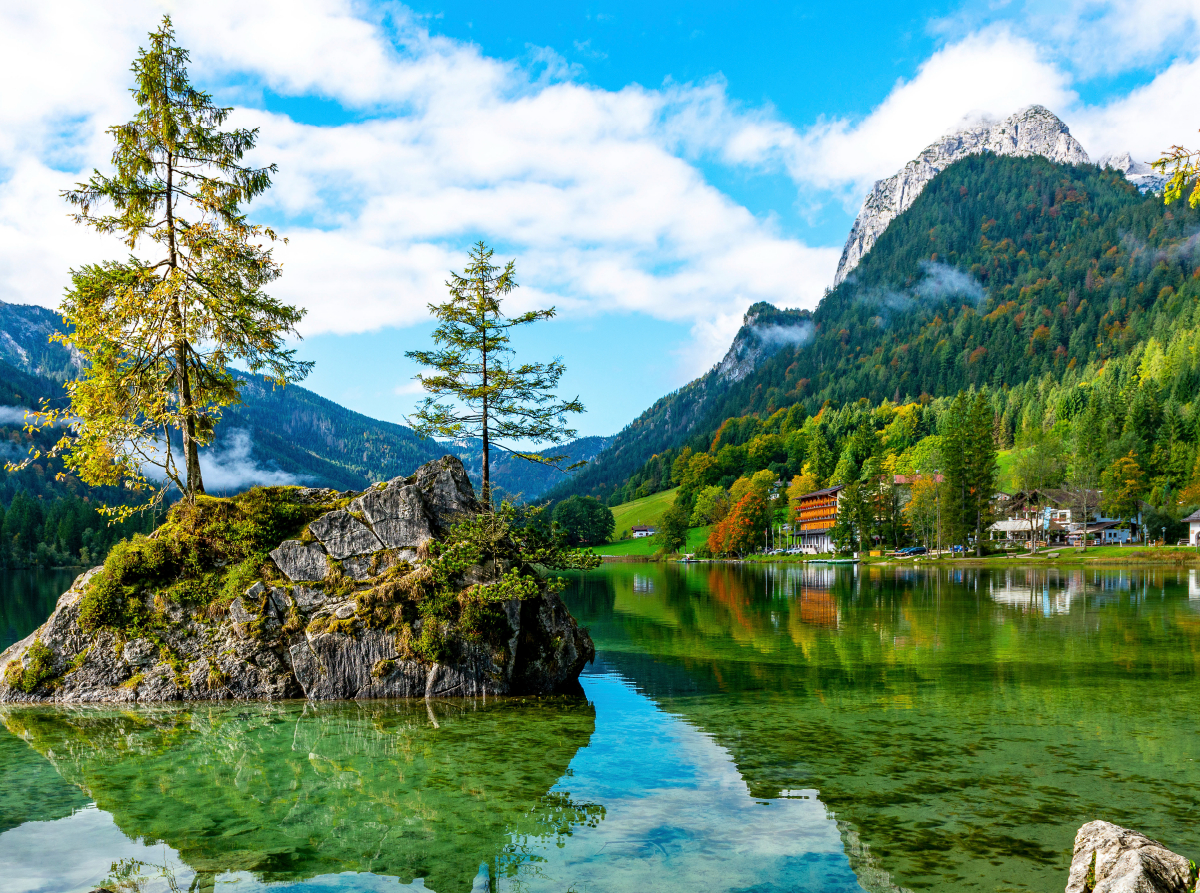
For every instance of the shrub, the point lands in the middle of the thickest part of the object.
(35, 669)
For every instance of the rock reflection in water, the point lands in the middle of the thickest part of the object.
(291, 791)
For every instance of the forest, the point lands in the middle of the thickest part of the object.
(1050, 287)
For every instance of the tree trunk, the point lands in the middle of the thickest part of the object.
(487, 471)
(193, 483)
(191, 449)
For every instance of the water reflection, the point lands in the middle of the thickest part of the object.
(960, 726)
(26, 599)
(744, 728)
(288, 792)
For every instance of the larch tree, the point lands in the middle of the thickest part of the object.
(478, 390)
(158, 331)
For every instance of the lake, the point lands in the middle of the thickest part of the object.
(744, 728)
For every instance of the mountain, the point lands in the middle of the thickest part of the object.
(276, 435)
(1139, 173)
(1031, 131)
(765, 331)
(1004, 270)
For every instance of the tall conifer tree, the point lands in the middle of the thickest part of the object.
(158, 331)
(490, 395)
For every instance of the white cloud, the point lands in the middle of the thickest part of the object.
(597, 193)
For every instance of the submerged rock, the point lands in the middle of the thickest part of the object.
(1112, 859)
(348, 610)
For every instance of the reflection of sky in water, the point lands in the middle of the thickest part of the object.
(677, 816)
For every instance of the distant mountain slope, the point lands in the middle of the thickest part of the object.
(673, 419)
(275, 435)
(522, 480)
(1002, 271)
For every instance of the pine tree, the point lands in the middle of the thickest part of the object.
(157, 336)
(981, 467)
(492, 397)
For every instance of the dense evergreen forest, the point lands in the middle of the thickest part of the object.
(1053, 289)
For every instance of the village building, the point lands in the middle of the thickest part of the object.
(1054, 517)
(816, 516)
(638, 531)
(1193, 523)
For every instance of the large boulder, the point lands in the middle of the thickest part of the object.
(1112, 859)
(336, 616)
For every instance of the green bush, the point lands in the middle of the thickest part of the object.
(35, 669)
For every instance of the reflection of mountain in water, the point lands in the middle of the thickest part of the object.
(288, 792)
(960, 727)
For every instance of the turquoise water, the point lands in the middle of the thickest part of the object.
(743, 729)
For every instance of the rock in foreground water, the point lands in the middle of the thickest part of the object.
(1112, 859)
(373, 595)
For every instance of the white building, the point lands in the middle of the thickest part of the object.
(1193, 523)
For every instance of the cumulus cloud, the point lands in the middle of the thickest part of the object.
(598, 193)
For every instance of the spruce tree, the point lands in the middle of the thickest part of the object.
(158, 331)
(490, 396)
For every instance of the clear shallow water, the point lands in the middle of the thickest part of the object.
(749, 729)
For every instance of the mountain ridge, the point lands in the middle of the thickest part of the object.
(1034, 130)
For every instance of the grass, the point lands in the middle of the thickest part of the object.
(647, 511)
(647, 547)
(1006, 481)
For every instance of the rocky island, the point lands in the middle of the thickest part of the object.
(405, 590)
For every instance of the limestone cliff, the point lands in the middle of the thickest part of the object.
(359, 605)
(1139, 173)
(1031, 131)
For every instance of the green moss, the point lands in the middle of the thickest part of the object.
(217, 677)
(35, 669)
(133, 681)
(430, 646)
(383, 667)
(204, 554)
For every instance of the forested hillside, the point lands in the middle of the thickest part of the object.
(1023, 275)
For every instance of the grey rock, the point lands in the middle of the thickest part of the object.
(301, 562)
(397, 514)
(1125, 862)
(307, 598)
(447, 490)
(1139, 173)
(245, 652)
(239, 614)
(364, 567)
(140, 653)
(344, 535)
(1031, 131)
(278, 602)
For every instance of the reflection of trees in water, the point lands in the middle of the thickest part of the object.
(958, 731)
(295, 790)
(820, 626)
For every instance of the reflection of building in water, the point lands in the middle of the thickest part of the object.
(1048, 591)
(1053, 591)
(1193, 585)
(642, 584)
(810, 587)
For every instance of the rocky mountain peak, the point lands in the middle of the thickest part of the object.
(1031, 131)
(765, 329)
(1139, 173)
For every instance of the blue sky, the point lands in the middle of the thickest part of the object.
(653, 168)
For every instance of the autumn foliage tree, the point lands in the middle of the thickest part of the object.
(159, 330)
(742, 529)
